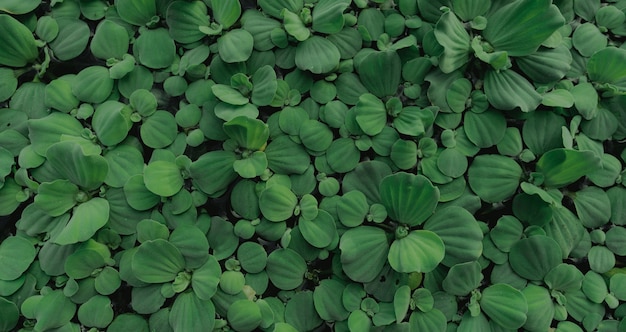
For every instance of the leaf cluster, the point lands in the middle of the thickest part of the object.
(306, 165)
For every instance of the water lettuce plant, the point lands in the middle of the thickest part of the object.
(312, 165)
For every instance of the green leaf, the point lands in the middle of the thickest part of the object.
(111, 122)
(284, 156)
(235, 46)
(300, 312)
(561, 167)
(558, 98)
(564, 277)
(320, 231)
(458, 94)
(109, 41)
(420, 251)
(359, 321)
(409, 199)
(371, 23)
(328, 16)
(602, 127)
(53, 310)
(615, 240)
(587, 39)
(143, 102)
(96, 312)
(48, 130)
(252, 166)
(463, 278)
(228, 94)
(601, 259)
(565, 229)
(460, 233)
(542, 132)
(92, 84)
(192, 244)
(413, 121)
(251, 134)
(618, 285)
(205, 279)
(507, 231)
(594, 287)
(505, 305)
(352, 208)
(468, 10)
(56, 197)
(163, 178)
(366, 178)
(18, 44)
(124, 162)
(128, 321)
(451, 34)
(371, 114)
(136, 12)
(607, 66)
(364, 252)
(404, 154)
(433, 320)
(273, 8)
(286, 268)
(154, 48)
(261, 27)
(19, 7)
(317, 55)
(158, 130)
(315, 135)
(108, 281)
(485, 129)
(294, 25)
(85, 171)
(244, 315)
(189, 313)
(138, 196)
(327, 300)
(9, 315)
(277, 202)
(342, 155)
(264, 86)
(213, 171)
(452, 163)
(222, 239)
(184, 19)
(8, 83)
(71, 40)
(507, 90)
(592, 207)
(532, 258)
(520, 27)
(86, 220)
(16, 255)
(227, 12)
(157, 261)
(494, 178)
(547, 64)
(380, 72)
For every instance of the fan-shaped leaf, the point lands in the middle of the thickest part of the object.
(86, 220)
(363, 252)
(532, 258)
(420, 251)
(317, 55)
(157, 261)
(505, 305)
(494, 178)
(409, 199)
